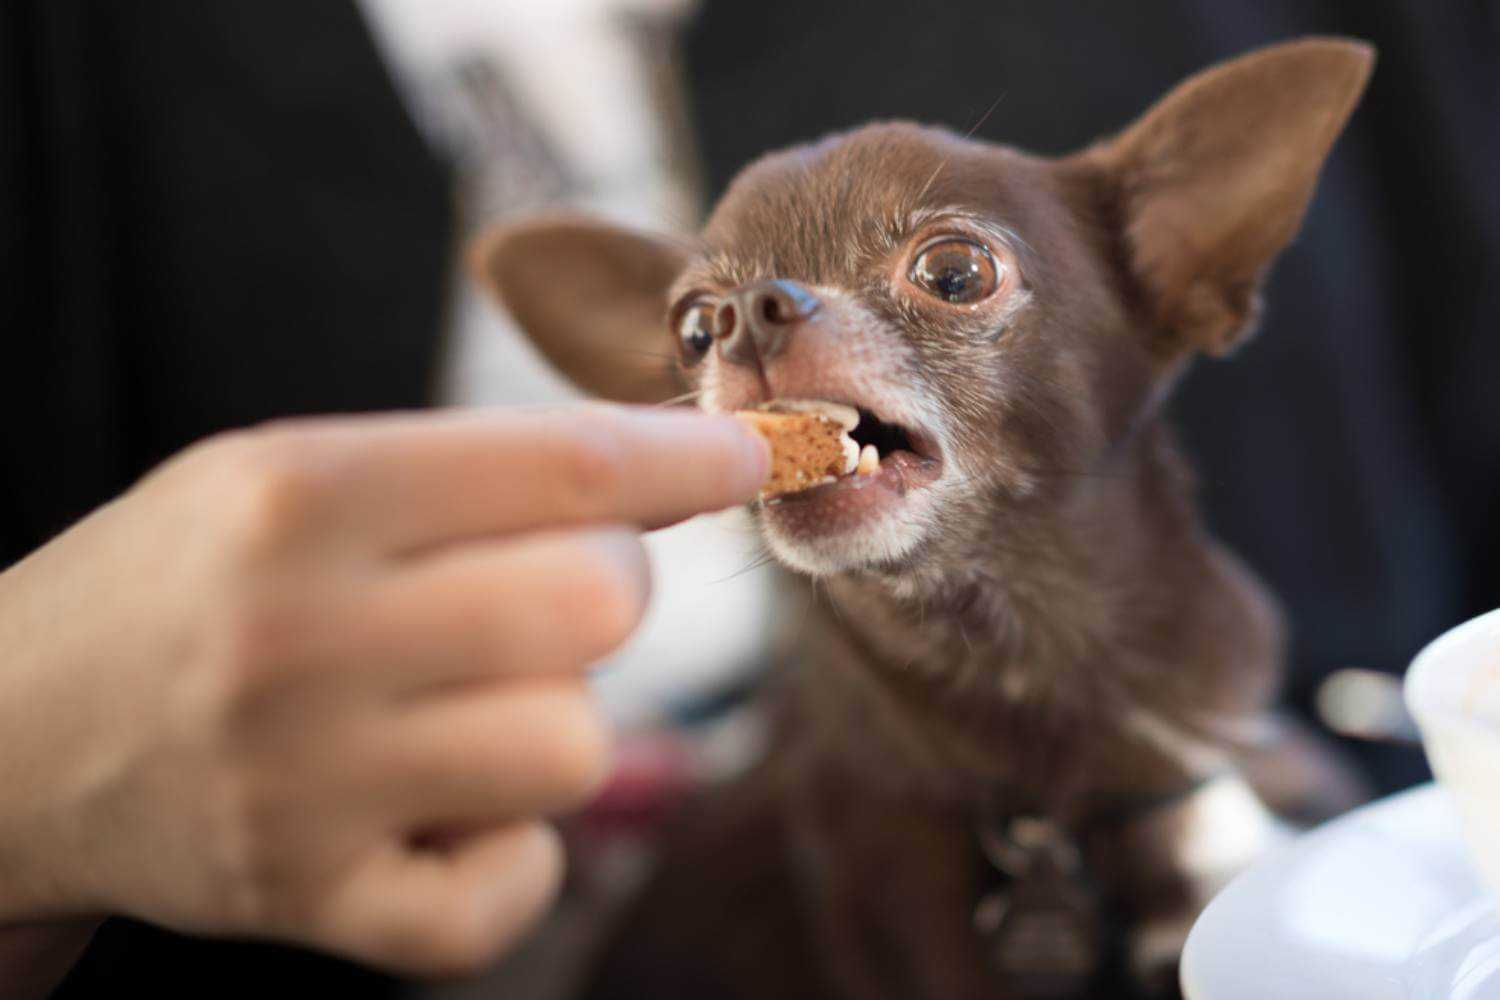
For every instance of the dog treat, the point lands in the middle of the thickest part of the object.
(810, 443)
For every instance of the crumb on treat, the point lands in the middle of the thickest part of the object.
(809, 443)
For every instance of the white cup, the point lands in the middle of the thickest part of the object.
(1453, 690)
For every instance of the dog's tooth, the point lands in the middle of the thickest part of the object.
(851, 454)
(869, 461)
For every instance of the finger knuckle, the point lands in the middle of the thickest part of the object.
(453, 942)
(592, 468)
(579, 748)
(609, 592)
(263, 636)
(475, 928)
(462, 951)
(269, 480)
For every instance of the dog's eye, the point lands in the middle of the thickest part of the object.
(955, 270)
(695, 331)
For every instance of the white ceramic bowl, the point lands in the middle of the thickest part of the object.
(1453, 690)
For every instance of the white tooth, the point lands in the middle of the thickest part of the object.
(825, 481)
(869, 461)
(851, 454)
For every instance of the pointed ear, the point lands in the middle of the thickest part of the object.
(592, 297)
(1214, 180)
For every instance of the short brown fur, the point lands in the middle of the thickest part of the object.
(1066, 637)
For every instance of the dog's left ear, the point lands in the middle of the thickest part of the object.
(1213, 181)
(592, 296)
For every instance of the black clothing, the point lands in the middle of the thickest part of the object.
(211, 214)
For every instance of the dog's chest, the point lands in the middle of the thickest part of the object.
(929, 712)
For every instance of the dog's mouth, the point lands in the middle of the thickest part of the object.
(871, 501)
(888, 460)
(878, 440)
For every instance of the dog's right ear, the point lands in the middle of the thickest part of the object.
(592, 297)
(1213, 181)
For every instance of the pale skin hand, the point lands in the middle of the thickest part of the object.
(319, 682)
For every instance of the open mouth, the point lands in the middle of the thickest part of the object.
(855, 486)
(877, 451)
(878, 441)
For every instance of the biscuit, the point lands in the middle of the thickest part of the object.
(810, 443)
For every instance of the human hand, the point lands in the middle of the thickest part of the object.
(317, 681)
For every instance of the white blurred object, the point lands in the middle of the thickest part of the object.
(1366, 705)
(567, 101)
(579, 68)
(1399, 900)
(1453, 688)
(1382, 904)
(707, 624)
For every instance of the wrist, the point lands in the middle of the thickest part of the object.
(35, 781)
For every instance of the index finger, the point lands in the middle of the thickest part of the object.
(419, 480)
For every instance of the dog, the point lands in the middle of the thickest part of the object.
(1028, 736)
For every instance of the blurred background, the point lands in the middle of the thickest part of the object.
(216, 213)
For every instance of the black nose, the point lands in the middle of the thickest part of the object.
(756, 321)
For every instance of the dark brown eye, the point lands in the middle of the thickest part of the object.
(955, 270)
(695, 331)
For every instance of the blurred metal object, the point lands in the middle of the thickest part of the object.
(505, 160)
(1366, 705)
(655, 27)
(1042, 930)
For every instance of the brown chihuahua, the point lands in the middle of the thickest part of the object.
(1028, 734)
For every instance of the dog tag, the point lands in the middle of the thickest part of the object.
(1042, 933)
(1041, 936)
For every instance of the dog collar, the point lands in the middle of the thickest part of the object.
(1042, 921)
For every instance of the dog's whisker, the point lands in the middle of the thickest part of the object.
(1037, 470)
(756, 564)
(686, 397)
(643, 353)
(930, 181)
(828, 601)
(986, 116)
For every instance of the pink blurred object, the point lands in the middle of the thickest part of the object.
(653, 775)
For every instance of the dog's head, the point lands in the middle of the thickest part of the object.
(1001, 321)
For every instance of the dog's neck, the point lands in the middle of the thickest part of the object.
(1117, 617)
(1044, 586)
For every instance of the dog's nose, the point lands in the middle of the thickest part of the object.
(755, 322)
